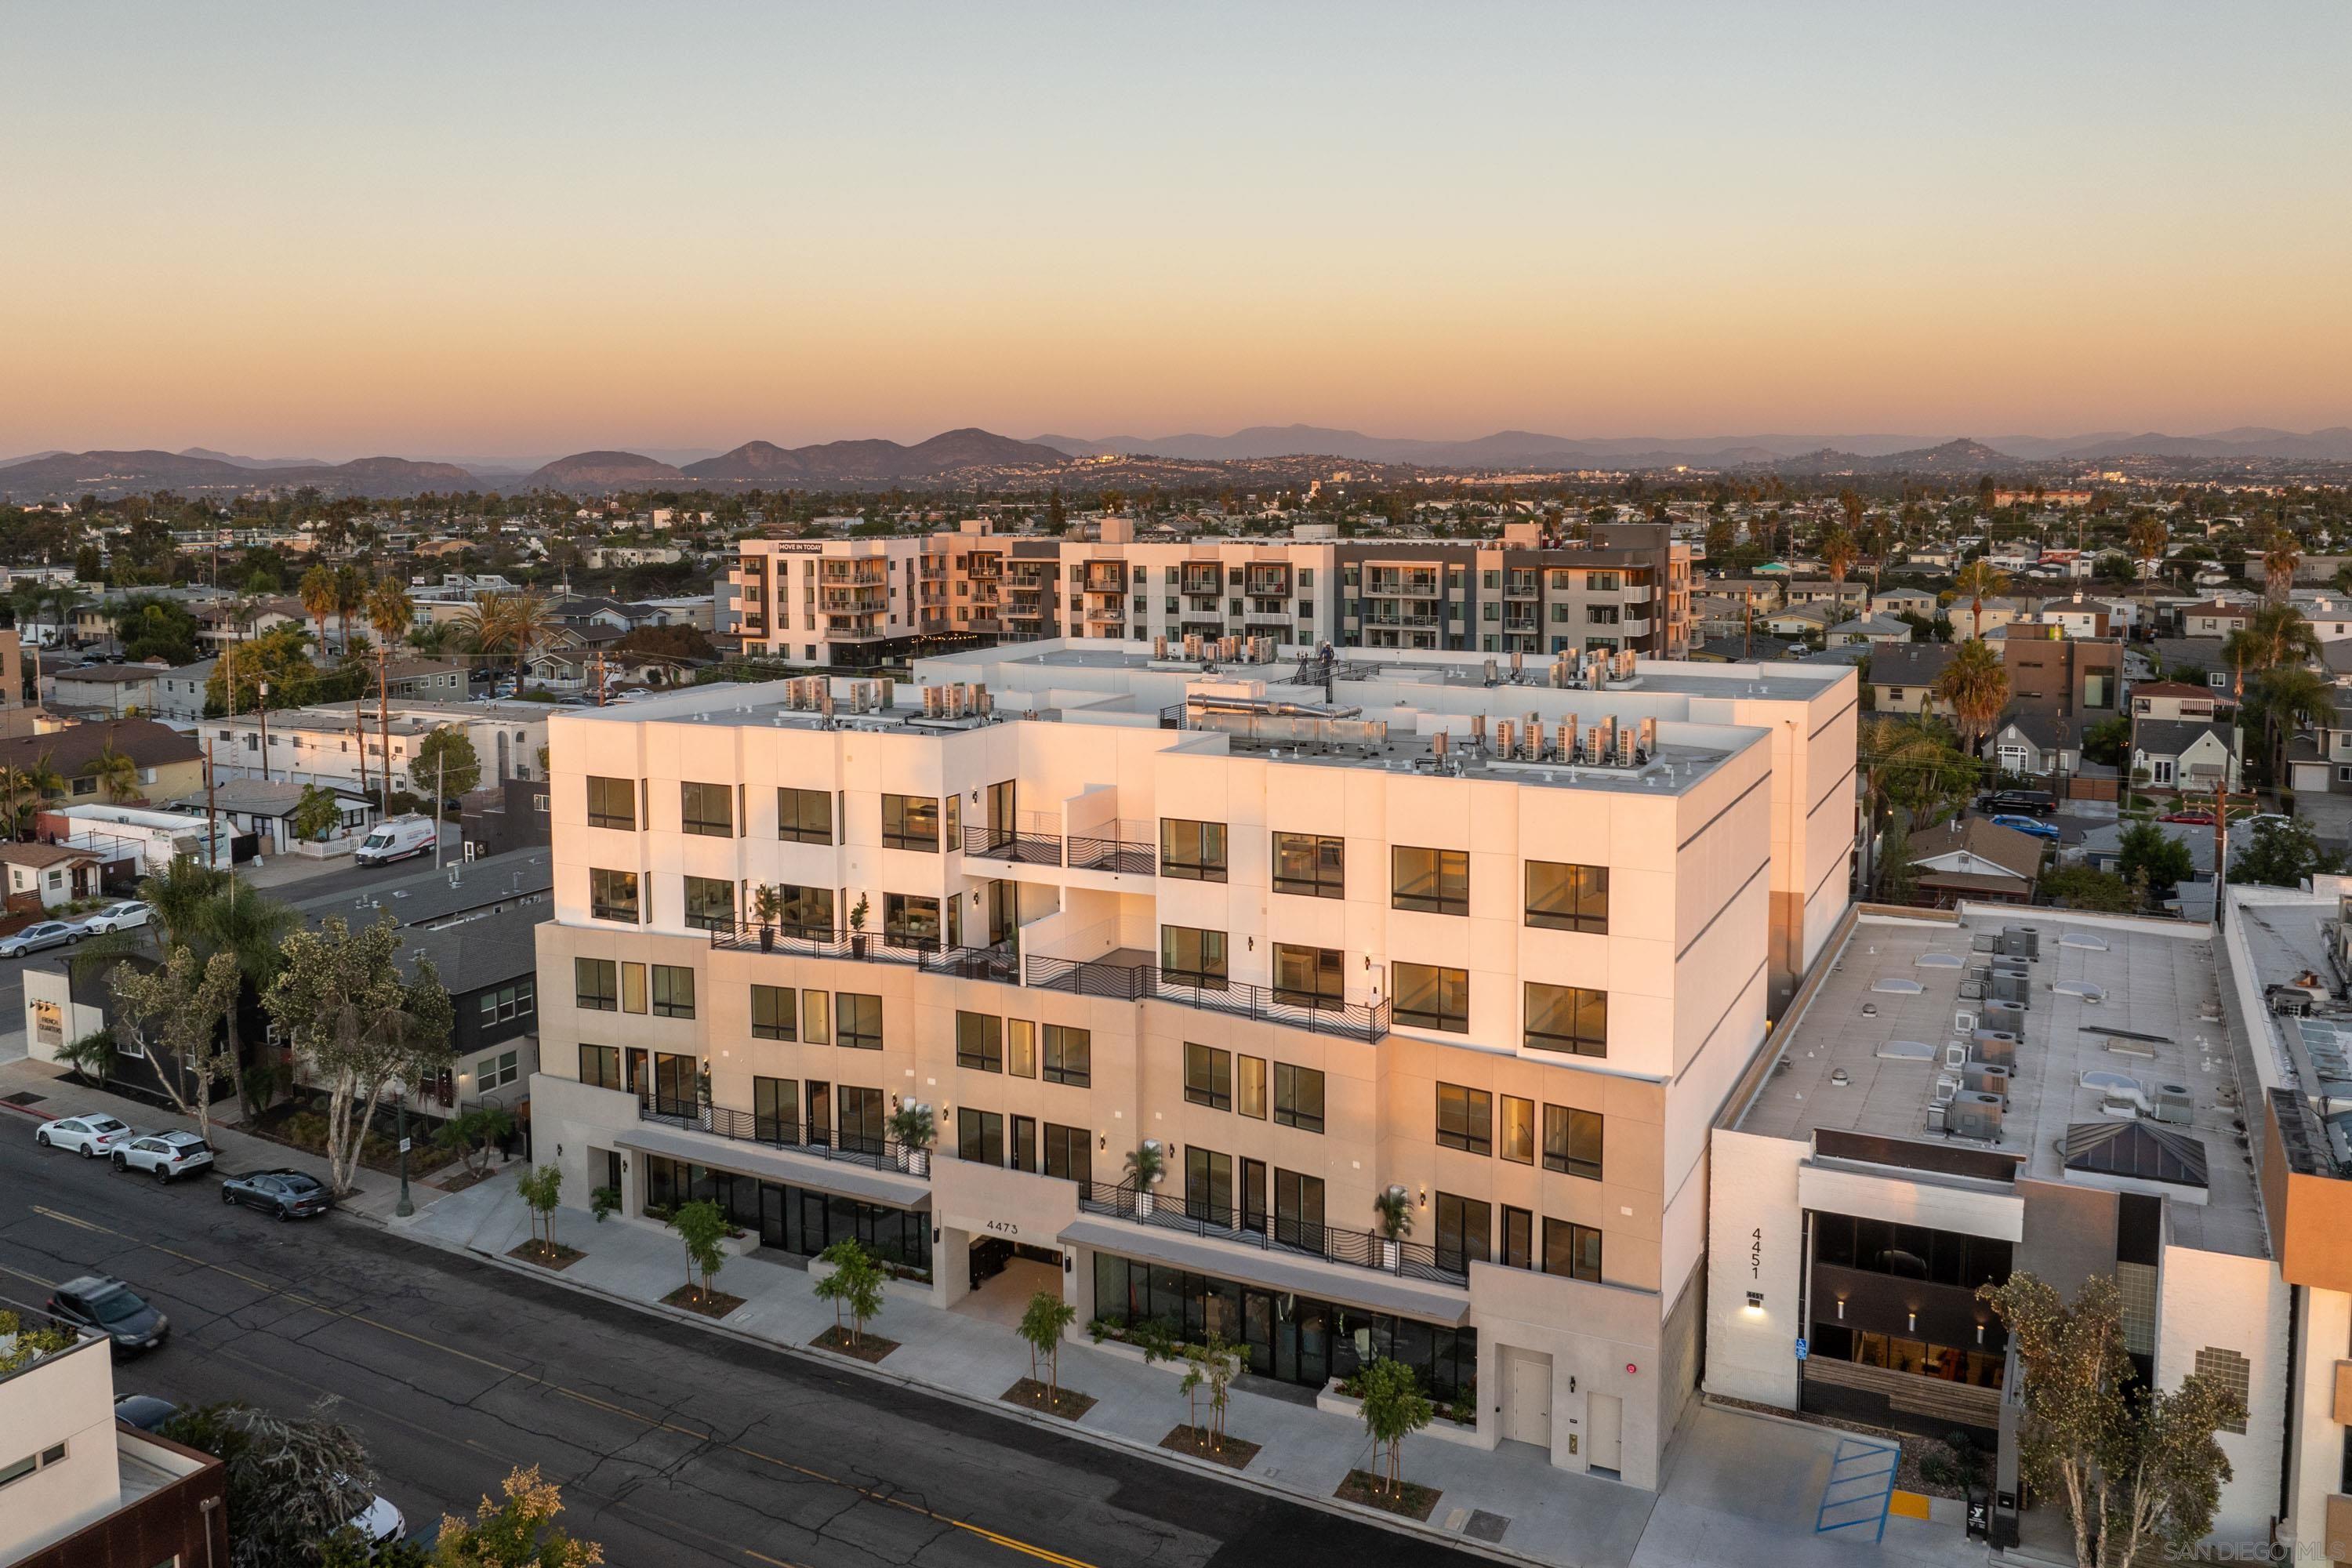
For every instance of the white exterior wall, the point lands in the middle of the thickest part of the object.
(2317, 1440)
(67, 1398)
(2227, 1303)
(1756, 1242)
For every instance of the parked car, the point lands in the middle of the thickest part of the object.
(41, 934)
(165, 1155)
(118, 917)
(2189, 818)
(2033, 824)
(289, 1194)
(396, 840)
(2247, 827)
(88, 1136)
(105, 1305)
(2031, 801)
(379, 1523)
(144, 1411)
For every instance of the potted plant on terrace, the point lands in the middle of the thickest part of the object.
(912, 1127)
(1145, 1164)
(1394, 1206)
(857, 913)
(767, 907)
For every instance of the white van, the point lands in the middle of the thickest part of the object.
(396, 840)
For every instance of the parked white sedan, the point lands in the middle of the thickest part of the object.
(118, 917)
(41, 934)
(165, 1155)
(88, 1136)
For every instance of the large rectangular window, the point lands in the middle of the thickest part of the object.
(1518, 1130)
(1567, 1018)
(910, 919)
(1432, 881)
(613, 803)
(805, 912)
(1465, 1119)
(707, 810)
(805, 815)
(1308, 976)
(1069, 1152)
(980, 1042)
(979, 1136)
(1192, 851)
(1250, 1086)
(1430, 997)
(1572, 1142)
(673, 991)
(775, 1013)
(1025, 1143)
(856, 1021)
(1571, 1250)
(1564, 896)
(1020, 1048)
(710, 903)
(1189, 956)
(596, 984)
(1519, 1238)
(1465, 1231)
(1298, 1209)
(600, 1065)
(1070, 1055)
(1208, 1185)
(1298, 1096)
(1310, 865)
(910, 822)
(612, 896)
(1209, 1077)
(860, 1110)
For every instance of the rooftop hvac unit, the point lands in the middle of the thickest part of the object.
(1972, 990)
(1160, 648)
(2175, 1104)
(1229, 648)
(1984, 941)
(1999, 1013)
(1626, 755)
(1519, 663)
(1531, 737)
(824, 698)
(1506, 735)
(935, 702)
(2008, 987)
(1563, 671)
(1986, 1077)
(888, 693)
(1437, 744)
(1479, 729)
(1623, 664)
(1567, 743)
(1490, 672)
(1192, 645)
(2022, 942)
(981, 702)
(1995, 1047)
(1648, 744)
(1974, 1114)
(1592, 742)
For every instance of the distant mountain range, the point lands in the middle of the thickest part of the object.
(68, 474)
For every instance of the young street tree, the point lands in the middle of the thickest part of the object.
(2138, 1468)
(1041, 1323)
(172, 1015)
(360, 1023)
(854, 1285)
(1395, 1409)
(702, 1225)
(543, 1190)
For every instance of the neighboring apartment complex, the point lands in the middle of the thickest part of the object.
(857, 602)
(322, 745)
(1312, 933)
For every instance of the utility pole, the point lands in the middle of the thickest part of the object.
(440, 776)
(264, 711)
(384, 725)
(212, 816)
(597, 660)
(2221, 840)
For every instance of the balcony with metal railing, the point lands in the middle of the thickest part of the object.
(1034, 839)
(869, 947)
(1126, 847)
(783, 1132)
(1332, 1244)
(1131, 982)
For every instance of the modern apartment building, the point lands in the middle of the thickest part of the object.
(322, 745)
(857, 602)
(1309, 935)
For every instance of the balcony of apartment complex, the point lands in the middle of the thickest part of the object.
(863, 572)
(1262, 610)
(1103, 576)
(855, 601)
(1134, 974)
(1415, 614)
(916, 950)
(1521, 583)
(1394, 582)
(1633, 626)
(1031, 839)
(1228, 1222)
(854, 629)
(875, 1152)
(984, 565)
(1267, 582)
(1202, 579)
(1636, 594)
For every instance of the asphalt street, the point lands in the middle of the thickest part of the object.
(672, 1445)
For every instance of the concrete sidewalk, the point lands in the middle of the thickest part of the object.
(1742, 1489)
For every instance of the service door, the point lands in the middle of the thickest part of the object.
(1526, 1398)
(1604, 1431)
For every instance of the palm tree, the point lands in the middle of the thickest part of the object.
(42, 779)
(2281, 556)
(2148, 537)
(1976, 684)
(2293, 696)
(65, 600)
(2274, 635)
(1838, 551)
(25, 601)
(316, 592)
(390, 611)
(1977, 581)
(115, 773)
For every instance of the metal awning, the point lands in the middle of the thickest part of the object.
(844, 1177)
(1271, 1268)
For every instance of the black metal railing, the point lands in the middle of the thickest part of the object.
(784, 1132)
(1356, 1249)
(1131, 848)
(1368, 1022)
(1022, 845)
(998, 963)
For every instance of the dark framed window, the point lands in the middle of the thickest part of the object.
(612, 896)
(856, 1021)
(1432, 881)
(1190, 956)
(1310, 865)
(1250, 1086)
(1020, 1047)
(776, 1109)
(673, 991)
(775, 1013)
(1430, 997)
(1208, 1185)
(1518, 1130)
(1069, 1152)
(980, 1042)
(613, 803)
(1308, 976)
(1465, 1119)
(1192, 851)
(860, 1110)
(1571, 1250)
(596, 984)
(805, 815)
(710, 903)
(707, 810)
(1519, 1238)
(910, 822)
(1565, 897)
(1298, 1096)
(1572, 1142)
(1569, 1019)
(979, 1136)
(600, 1065)
(1298, 1209)
(1465, 1231)
(805, 912)
(910, 919)
(1070, 1055)
(1025, 1143)
(1209, 1077)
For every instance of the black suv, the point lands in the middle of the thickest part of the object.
(2031, 801)
(289, 1194)
(105, 1305)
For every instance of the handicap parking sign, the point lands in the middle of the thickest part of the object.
(1800, 1348)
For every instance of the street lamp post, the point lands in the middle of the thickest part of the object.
(264, 711)
(403, 1208)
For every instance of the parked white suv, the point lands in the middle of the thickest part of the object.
(118, 917)
(88, 1136)
(165, 1155)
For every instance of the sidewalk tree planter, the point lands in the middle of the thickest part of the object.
(912, 1128)
(1394, 1206)
(1394, 1408)
(1212, 1368)
(702, 1227)
(854, 1286)
(767, 908)
(1406, 1498)
(542, 1189)
(1042, 1324)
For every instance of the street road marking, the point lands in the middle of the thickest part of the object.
(1009, 1544)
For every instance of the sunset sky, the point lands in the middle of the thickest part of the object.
(469, 228)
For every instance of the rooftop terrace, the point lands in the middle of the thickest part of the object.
(2117, 1009)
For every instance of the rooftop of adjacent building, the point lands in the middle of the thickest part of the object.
(2119, 1008)
(2286, 943)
